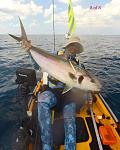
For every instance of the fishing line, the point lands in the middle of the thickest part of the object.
(111, 99)
(54, 23)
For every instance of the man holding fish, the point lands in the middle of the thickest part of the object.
(71, 77)
(48, 99)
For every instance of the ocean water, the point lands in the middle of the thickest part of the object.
(101, 56)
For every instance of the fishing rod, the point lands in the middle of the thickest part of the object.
(94, 123)
(112, 100)
(54, 23)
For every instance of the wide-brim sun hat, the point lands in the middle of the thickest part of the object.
(76, 41)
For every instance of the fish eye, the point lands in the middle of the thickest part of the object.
(72, 76)
(92, 80)
(80, 79)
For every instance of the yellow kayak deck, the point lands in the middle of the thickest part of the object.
(103, 117)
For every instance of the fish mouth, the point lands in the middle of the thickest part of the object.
(96, 89)
(90, 86)
(95, 92)
(96, 84)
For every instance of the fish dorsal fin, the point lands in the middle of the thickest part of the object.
(66, 89)
(72, 66)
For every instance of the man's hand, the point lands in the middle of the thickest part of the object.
(26, 44)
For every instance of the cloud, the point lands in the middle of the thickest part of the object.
(33, 24)
(108, 15)
(18, 7)
(5, 17)
(103, 17)
(49, 11)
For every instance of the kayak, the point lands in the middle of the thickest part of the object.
(97, 127)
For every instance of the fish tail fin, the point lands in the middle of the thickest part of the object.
(15, 37)
(23, 39)
(23, 33)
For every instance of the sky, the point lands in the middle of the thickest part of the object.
(36, 16)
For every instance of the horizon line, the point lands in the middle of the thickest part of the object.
(64, 34)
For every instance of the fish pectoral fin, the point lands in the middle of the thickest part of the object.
(66, 89)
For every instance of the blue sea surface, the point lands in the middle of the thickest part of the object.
(101, 56)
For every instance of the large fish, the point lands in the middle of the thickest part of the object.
(59, 68)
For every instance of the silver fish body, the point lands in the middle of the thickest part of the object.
(62, 70)
(59, 68)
